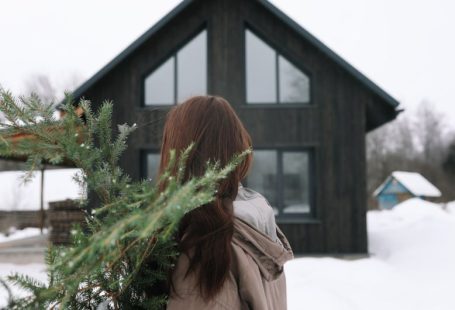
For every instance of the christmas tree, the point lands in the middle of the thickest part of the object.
(123, 255)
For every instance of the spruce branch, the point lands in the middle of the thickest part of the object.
(122, 258)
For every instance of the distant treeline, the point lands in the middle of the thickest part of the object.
(419, 141)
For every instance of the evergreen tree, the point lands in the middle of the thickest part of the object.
(122, 258)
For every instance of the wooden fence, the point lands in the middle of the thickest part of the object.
(21, 219)
(60, 218)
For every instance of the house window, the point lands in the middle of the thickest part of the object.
(159, 86)
(152, 164)
(283, 177)
(183, 75)
(263, 176)
(270, 77)
(295, 182)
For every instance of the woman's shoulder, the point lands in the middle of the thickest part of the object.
(253, 208)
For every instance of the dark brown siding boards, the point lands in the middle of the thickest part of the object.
(343, 106)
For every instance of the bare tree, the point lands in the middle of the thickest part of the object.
(390, 148)
(41, 85)
(417, 142)
(430, 131)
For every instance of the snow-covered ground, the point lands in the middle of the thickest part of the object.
(451, 207)
(36, 271)
(412, 266)
(17, 195)
(14, 234)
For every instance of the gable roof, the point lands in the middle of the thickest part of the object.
(331, 54)
(272, 9)
(414, 182)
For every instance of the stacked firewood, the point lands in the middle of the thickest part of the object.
(63, 215)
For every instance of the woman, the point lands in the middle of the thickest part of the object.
(232, 251)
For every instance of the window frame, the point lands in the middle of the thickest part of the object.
(173, 54)
(143, 161)
(310, 217)
(278, 52)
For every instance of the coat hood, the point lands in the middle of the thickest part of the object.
(268, 254)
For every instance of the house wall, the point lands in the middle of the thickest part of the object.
(392, 194)
(394, 187)
(388, 201)
(334, 125)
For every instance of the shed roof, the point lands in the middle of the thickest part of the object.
(414, 182)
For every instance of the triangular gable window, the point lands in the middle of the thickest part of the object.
(183, 75)
(271, 78)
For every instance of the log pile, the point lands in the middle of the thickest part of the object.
(62, 215)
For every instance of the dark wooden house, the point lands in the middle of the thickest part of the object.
(306, 109)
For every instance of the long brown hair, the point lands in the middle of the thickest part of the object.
(205, 233)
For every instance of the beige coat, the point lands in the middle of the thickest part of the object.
(256, 280)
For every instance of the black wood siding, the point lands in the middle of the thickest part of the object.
(334, 125)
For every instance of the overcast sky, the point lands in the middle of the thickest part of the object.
(407, 47)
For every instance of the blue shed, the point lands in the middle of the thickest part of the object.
(402, 185)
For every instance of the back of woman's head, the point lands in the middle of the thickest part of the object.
(218, 134)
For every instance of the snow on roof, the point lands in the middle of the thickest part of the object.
(414, 182)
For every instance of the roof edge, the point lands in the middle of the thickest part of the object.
(381, 187)
(130, 48)
(396, 175)
(275, 11)
(391, 177)
(331, 54)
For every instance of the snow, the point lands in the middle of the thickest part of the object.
(21, 234)
(414, 182)
(17, 195)
(450, 207)
(411, 266)
(36, 271)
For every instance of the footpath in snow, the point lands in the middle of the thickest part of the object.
(412, 266)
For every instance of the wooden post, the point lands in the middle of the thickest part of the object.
(42, 216)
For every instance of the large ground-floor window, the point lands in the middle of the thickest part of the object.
(284, 178)
(151, 160)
